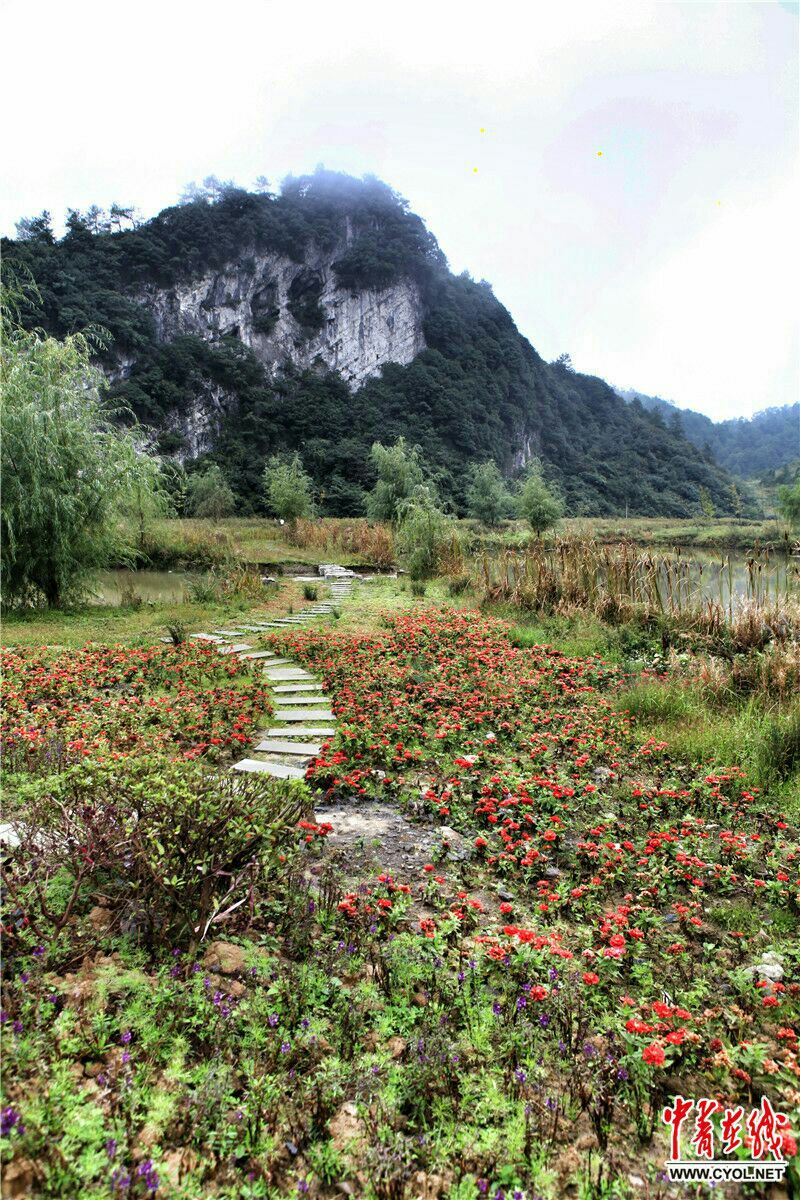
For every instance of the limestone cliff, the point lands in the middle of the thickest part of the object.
(288, 312)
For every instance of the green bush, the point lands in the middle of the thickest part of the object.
(175, 848)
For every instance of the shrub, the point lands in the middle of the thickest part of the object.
(175, 848)
(424, 535)
(458, 585)
(309, 591)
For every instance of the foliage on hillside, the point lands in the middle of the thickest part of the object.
(747, 446)
(479, 391)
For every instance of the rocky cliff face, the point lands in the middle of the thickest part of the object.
(288, 312)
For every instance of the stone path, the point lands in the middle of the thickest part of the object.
(304, 718)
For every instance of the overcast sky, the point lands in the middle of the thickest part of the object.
(635, 200)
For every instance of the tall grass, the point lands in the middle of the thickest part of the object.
(367, 540)
(758, 734)
(624, 583)
(178, 544)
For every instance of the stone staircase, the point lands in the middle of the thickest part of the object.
(302, 718)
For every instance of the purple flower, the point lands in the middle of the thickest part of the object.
(285, 1047)
(305, 1022)
(38, 952)
(126, 1037)
(483, 1186)
(544, 1020)
(497, 1008)
(174, 971)
(520, 1075)
(272, 1020)
(24, 977)
(553, 974)
(622, 1074)
(3, 1016)
(550, 1104)
(10, 1119)
(126, 1056)
(111, 1147)
(302, 1186)
(147, 1172)
(589, 1050)
(521, 1002)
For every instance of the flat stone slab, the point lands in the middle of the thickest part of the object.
(234, 649)
(207, 637)
(315, 698)
(273, 746)
(303, 714)
(300, 731)
(229, 633)
(253, 628)
(298, 687)
(279, 770)
(285, 673)
(278, 662)
(264, 654)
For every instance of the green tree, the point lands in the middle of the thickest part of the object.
(288, 489)
(537, 503)
(71, 479)
(788, 504)
(706, 503)
(399, 472)
(488, 499)
(208, 494)
(423, 531)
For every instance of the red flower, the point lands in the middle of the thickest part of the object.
(654, 1055)
(590, 977)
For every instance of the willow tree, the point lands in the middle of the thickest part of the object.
(400, 473)
(73, 482)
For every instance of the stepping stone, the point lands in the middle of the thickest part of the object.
(253, 628)
(235, 633)
(262, 654)
(269, 768)
(298, 687)
(278, 662)
(314, 698)
(233, 649)
(276, 747)
(167, 640)
(207, 637)
(285, 674)
(304, 714)
(300, 731)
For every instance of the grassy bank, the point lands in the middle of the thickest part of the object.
(199, 544)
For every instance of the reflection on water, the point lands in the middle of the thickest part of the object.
(734, 576)
(121, 587)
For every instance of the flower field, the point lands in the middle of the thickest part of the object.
(599, 930)
(113, 701)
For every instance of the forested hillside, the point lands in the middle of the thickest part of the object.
(477, 390)
(747, 446)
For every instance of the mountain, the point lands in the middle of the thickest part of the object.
(746, 446)
(324, 318)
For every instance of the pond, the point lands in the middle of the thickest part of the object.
(166, 587)
(735, 575)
